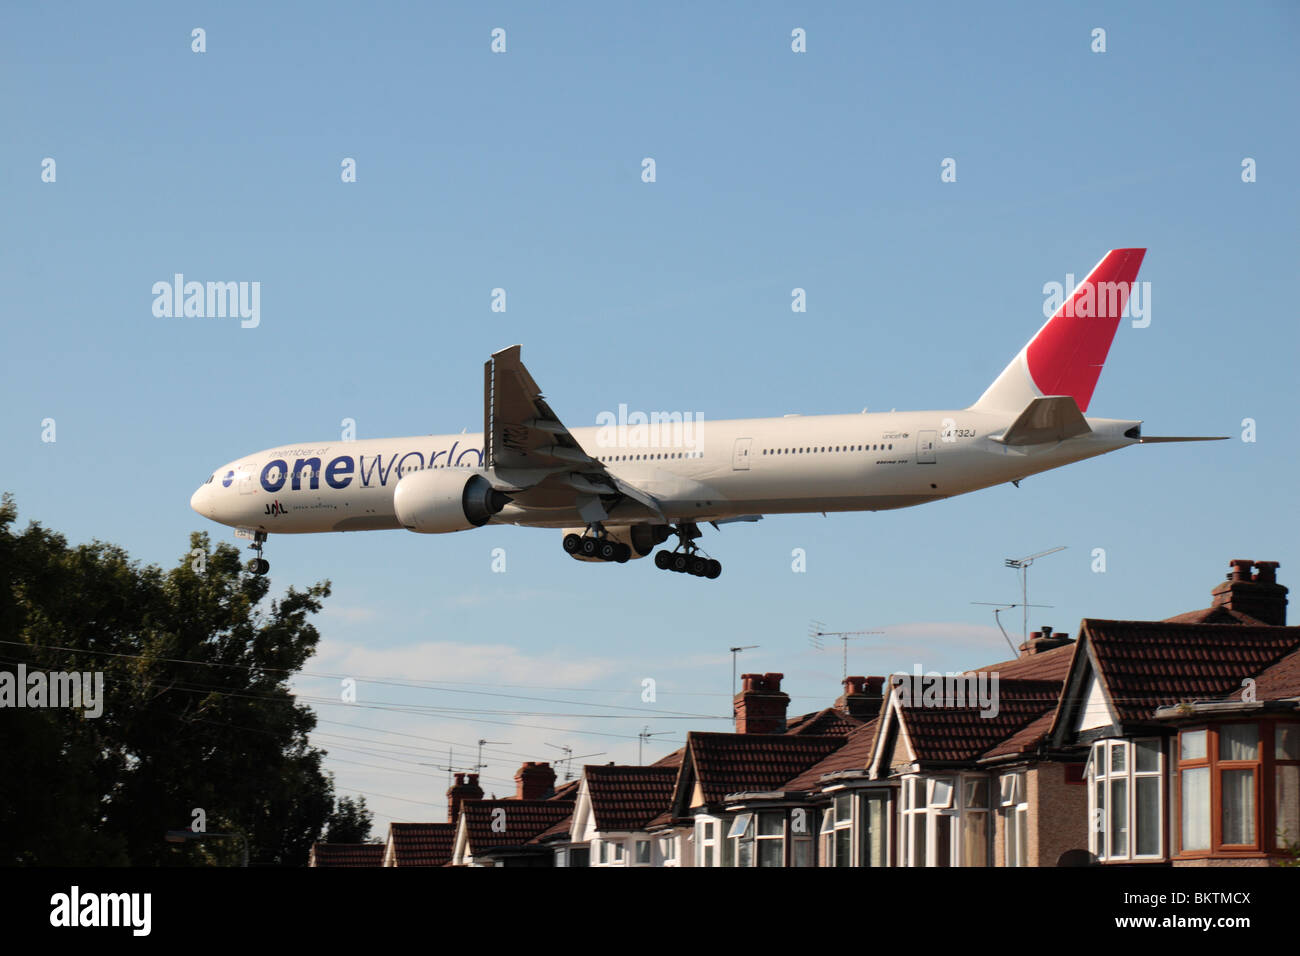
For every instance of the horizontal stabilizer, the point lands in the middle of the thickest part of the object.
(1152, 439)
(1049, 419)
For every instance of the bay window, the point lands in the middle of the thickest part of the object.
(944, 821)
(1015, 818)
(1126, 799)
(1239, 787)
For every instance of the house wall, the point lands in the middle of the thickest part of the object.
(1058, 814)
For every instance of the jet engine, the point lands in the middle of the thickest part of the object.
(438, 500)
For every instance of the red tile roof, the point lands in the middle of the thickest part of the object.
(854, 755)
(519, 824)
(346, 854)
(1215, 615)
(1025, 740)
(627, 798)
(1279, 682)
(734, 763)
(421, 844)
(963, 733)
(823, 723)
(1147, 664)
(674, 759)
(1049, 665)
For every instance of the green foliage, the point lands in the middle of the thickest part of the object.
(197, 711)
(350, 822)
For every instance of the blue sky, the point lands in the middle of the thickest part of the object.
(521, 170)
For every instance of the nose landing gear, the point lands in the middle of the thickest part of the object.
(259, 565)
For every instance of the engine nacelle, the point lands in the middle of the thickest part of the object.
(440, 500)
(641, 538)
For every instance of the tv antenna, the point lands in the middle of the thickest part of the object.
(643, 737)
(734, 652)
(568, 759)
(478, 762)
(998, 609)
(816, 637)
(1022, 565)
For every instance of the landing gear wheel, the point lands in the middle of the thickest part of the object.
(680, 562)
(608, 550)
(572, 542)
(589, 546)
(715, 569)
(259, 565)
(699, 566)
(663, 560)
(624, 553)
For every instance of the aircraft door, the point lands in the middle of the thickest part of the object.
(740, 454)
(925, 442)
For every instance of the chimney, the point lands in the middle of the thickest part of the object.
(1043, 640)
(862, 697)
(760, 706)
(465, 788)
(1258, 595)
(534, 781)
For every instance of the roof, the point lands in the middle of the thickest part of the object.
(1215, 615)
(1025, 740)
(1279, 682)
(628, 797)
(521, 821)
(952, 733)
(674, 759)
(854, 755)
(824, 723)
(734, 763)
(1146, 664)
(1047, 665)
(421, 844)
(347, 854)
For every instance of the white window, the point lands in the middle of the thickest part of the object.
(618, 853)
(873, 829)
(1015, 818)
(944, 821)
(837, 832)
(706, 842)
(643, 851)
(739, 847)
(1126, 799)
(771, 838)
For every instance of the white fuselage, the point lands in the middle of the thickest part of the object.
(706, 471)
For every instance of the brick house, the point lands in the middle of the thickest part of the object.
(1191, 729)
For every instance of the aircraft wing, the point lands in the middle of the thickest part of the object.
(528, 449)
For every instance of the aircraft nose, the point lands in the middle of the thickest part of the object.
(197, 501)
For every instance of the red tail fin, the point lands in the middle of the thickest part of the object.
(1066, 356)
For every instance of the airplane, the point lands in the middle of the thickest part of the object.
(619, 492)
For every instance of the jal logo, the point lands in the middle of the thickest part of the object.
(225, 482)
(275, 508)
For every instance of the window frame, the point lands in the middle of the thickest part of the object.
(1103, 773)
(1265, 773)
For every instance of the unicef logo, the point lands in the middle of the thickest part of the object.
(225, 482)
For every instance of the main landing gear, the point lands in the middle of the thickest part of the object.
(259, 565)
(596, 544)
(686, 557)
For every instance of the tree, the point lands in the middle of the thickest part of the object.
(350, 822)
(197, 713)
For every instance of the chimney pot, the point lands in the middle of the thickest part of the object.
(760, 707)
(1260, 596)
